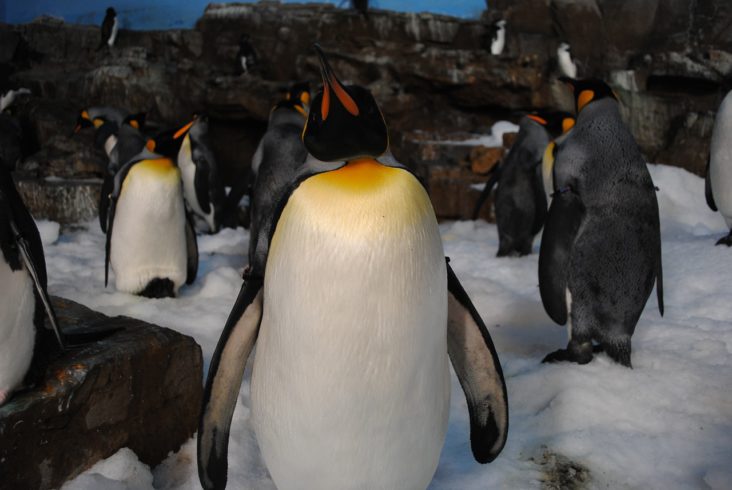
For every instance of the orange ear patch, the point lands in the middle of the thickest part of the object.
(538, 119)
(585, 97)
(567, 124)
(134, 124)
(150, 145)
(305, 98)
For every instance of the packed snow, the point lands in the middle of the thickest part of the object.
(665, 424)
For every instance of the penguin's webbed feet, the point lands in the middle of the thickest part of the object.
(727, 240)
(581, 353)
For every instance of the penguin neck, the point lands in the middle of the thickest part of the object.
(605, 107)
(359, 175)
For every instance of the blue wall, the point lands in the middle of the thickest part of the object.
(167, 14)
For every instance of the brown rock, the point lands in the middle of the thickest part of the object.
(483, 159)
(64, 201)
(138, 388)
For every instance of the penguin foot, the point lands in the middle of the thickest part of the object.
(727, 240)
(159, 288)
(619, 352)
(581, 353)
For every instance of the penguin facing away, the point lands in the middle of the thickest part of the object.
(354, 316)
(151, 243)
(520, 202)
(499, 37)
(281, 153)
(109, 29)
(718, 186)
(601, 249)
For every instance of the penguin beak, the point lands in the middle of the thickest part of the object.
(331, 83)
(184, 129)
(536, 118)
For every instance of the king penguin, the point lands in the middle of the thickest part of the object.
(23, 292)
(353, 315)
(547, 160)
(151, 244)
(109, 29)
(202, 189)
(280, 153)
(520, 201)
(719, 167)
(601, 249)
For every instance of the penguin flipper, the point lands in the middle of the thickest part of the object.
(492, 181)
(540, 203)
(222, 386)
(476, 364)
(562, 224)
(201, 184)
(192, 250)
(708, 188)
(107, 188)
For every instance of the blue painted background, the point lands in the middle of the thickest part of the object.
(167, 14)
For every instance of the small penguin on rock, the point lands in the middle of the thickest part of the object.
(718, 186)
(498, 42)
(601, 249)
(566, 64)
(247, 56)
(355, 317)
(110, 27)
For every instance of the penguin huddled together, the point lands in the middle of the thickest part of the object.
(354, 283)
(601, 249)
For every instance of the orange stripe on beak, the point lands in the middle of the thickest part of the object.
(343, 96)
(183, 130)
(538, 119)
(325, 104)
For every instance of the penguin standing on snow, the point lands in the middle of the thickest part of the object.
(719, 167)
(520, 201)
(23, 292)
(277, 161)
(498, 42)
(151, 245)
(566, 64)
(601, 248)
(109, 29)
(354, 316)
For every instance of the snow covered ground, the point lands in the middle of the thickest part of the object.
(666, 424)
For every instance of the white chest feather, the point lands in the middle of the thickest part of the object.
(351, 383)
(499, 42)
(109, 144)
(113, 35)
(148, 238)
(188, 175)
(17, 332)
(720, 159)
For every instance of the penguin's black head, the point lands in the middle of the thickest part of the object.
(588, 90)
(292, 105)
(167, 143)
(85, 121)
(137, 121)
(555, 122)
(111, 12)
(344, 121)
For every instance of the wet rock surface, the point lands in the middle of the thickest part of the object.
(138, 388)
(668, 61)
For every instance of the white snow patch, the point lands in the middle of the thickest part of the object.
(495, 139)
(121, 471)
(49, 231)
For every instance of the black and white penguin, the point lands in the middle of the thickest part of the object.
(96, 117)
(246, 57)
(498, 42)
(23, 291)
(520, 203)
(151, 243)
(601, 248)
(566, 122)
(719, 167)
(202, 189)
(110, 26)
(276, 163)
(125, 142)
(567, 65)
(354, 316)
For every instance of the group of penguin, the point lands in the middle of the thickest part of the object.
(353, 307)
(153, 187)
